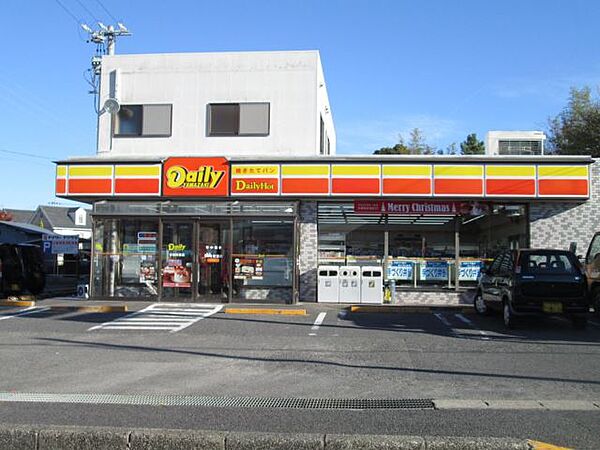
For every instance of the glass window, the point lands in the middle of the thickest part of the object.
(262, 258)
(507, 147)
(254, 118)
(177, 259)
(547, 263)
(125, 257)
(128, 121)
(238, 119)
(143, 120)
(594, 249)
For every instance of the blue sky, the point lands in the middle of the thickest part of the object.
(447, 67)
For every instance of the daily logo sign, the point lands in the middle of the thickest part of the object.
(196, 177)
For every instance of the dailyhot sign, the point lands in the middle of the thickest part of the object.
(421, 208)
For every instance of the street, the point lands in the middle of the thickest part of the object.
(525, 381)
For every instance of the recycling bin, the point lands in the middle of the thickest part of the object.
(350, 284)
(371, 288)
(328, 284)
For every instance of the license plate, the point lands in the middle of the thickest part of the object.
(552, 307)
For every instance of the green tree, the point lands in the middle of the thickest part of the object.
(416, 146)
(472, 145)
(576, 129)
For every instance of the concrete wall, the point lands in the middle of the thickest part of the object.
(493, 137)
(289, 81)
(557, 224)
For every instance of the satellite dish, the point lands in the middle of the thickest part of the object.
(111, 106)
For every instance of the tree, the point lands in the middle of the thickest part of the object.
(472, 145)
(451, 149)
(399, 149)
(416, 146)
(576, 129)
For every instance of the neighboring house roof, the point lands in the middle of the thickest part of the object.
(20, 215)
(63, 217)
(29, 228)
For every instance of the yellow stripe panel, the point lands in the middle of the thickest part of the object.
(563, 171)
(90, 171)
(255, 170)
(458, 171)
(138, 171)
(311, 170)
(61, 171)
(510, 171)
(356, 170)
(408, 171)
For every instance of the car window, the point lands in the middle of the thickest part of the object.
(593, 250)
(548, 263)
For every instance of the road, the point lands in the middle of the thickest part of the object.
(197, 351)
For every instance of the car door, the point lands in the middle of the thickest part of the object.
(487, 280)
(504, 278)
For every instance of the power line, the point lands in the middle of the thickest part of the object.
(92, 15)
(68, 11)
(31, 155)
(106, 11)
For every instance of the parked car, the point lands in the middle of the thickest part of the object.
(534, 282)
(21, 269)
(592, 272)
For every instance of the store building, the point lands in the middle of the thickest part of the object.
(217, 180)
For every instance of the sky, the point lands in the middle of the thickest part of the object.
(448, 67)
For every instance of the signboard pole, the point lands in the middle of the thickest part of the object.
(386, 253)
(457, 220)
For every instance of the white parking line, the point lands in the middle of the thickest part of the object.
(318, 321)
(443, 319)
(471, 324)
(162, 316)
(30, 310)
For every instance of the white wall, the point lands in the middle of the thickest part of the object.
(287, 80)
(492, 138)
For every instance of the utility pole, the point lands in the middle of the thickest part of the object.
(105, 38)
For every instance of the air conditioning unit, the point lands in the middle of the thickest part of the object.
(83, 290)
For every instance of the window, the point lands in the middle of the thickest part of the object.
(238, 119)
(546, 262)
(322, 138)
(520, 147)
(143, 120)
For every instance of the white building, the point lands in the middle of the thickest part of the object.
(515, 143)
(225, 104)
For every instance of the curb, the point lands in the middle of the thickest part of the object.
(17, 302)
(89, 308)
(84, 438)
(401, 309)
(266, 311)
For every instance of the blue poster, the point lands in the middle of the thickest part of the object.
(469, 270)
(434, 271)
(400, 270)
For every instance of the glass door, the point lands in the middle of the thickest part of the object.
(213, 262)
(177, 260)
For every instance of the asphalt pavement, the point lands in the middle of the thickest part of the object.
(325, 354)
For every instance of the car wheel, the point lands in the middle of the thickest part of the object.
(479, 303)
(580, 322)
(508, 316)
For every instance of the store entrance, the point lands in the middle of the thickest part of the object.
(195, 261)
(212, 276)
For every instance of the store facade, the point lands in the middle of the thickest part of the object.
(224, 229)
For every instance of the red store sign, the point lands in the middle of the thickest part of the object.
(424, 208)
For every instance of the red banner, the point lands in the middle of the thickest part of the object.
(196, 177)
(420, 208)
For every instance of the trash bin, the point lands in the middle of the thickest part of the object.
(371, 290)
(328, 284)
(349, 284)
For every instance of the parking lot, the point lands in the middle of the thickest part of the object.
(200, 349)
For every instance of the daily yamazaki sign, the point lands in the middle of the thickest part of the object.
(421, 208)
(196, 177)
